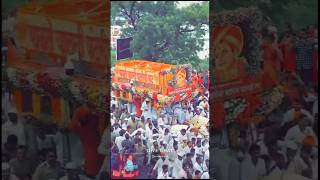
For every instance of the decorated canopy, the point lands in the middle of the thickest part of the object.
(165, 81)
(61, 28)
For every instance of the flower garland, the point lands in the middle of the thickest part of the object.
(271, 100)
(234, 107)
(66, 88)
(250, 21)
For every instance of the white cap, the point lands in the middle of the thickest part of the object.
(161, 123)
(180, 153)
(291, 145)
(205, 175)
(132, 114)
(199, 136)
(71, 165)
(5, 166)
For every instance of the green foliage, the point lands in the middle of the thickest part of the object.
(299, 13)
(9, 5)
(163, 32)
(113, 57)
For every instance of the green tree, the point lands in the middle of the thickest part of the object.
(299, 13)
(163, 32)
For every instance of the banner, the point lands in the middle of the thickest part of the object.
(242, 87)
(41, 39)
(137, 76)
(180, 90)
(123, 48)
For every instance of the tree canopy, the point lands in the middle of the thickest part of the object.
(299, 13)
(164, 32)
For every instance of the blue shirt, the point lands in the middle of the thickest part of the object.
(181, 115)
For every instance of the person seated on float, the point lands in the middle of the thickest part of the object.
(130, 167)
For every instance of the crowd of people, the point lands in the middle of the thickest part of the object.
(160, 143)
(284, 145)
(34, 149)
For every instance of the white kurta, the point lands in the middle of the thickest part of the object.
(296, 135)
(289, 116)
(249, 171)
(8, 128)
(163, 175)
(158, 165)
(118, 142)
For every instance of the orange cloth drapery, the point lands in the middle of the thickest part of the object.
(56, 109)
(86, 125)
(18, 99)
(218, 115)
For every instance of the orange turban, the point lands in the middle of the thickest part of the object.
(231, 34)
(309, 141)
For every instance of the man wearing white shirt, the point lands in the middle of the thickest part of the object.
(205, 175)
(146, 108)
(198, 148)
(291, 114)
(279, 168)
(204, 104)
(119, 140)
(183, 172)
(114, 102)
(158, 166)
(299, 132)
(161, 120)
(166, 136)
(182, 135)
(116, 129)
(189, 114)
(253, 167)
(164, 173)
(13, 127)
(198, 165)
(73, 173)
(6, 172)
(177, 165)
(148, 132)
(124, 124)
(301, 163)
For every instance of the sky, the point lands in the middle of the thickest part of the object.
(186, 3)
